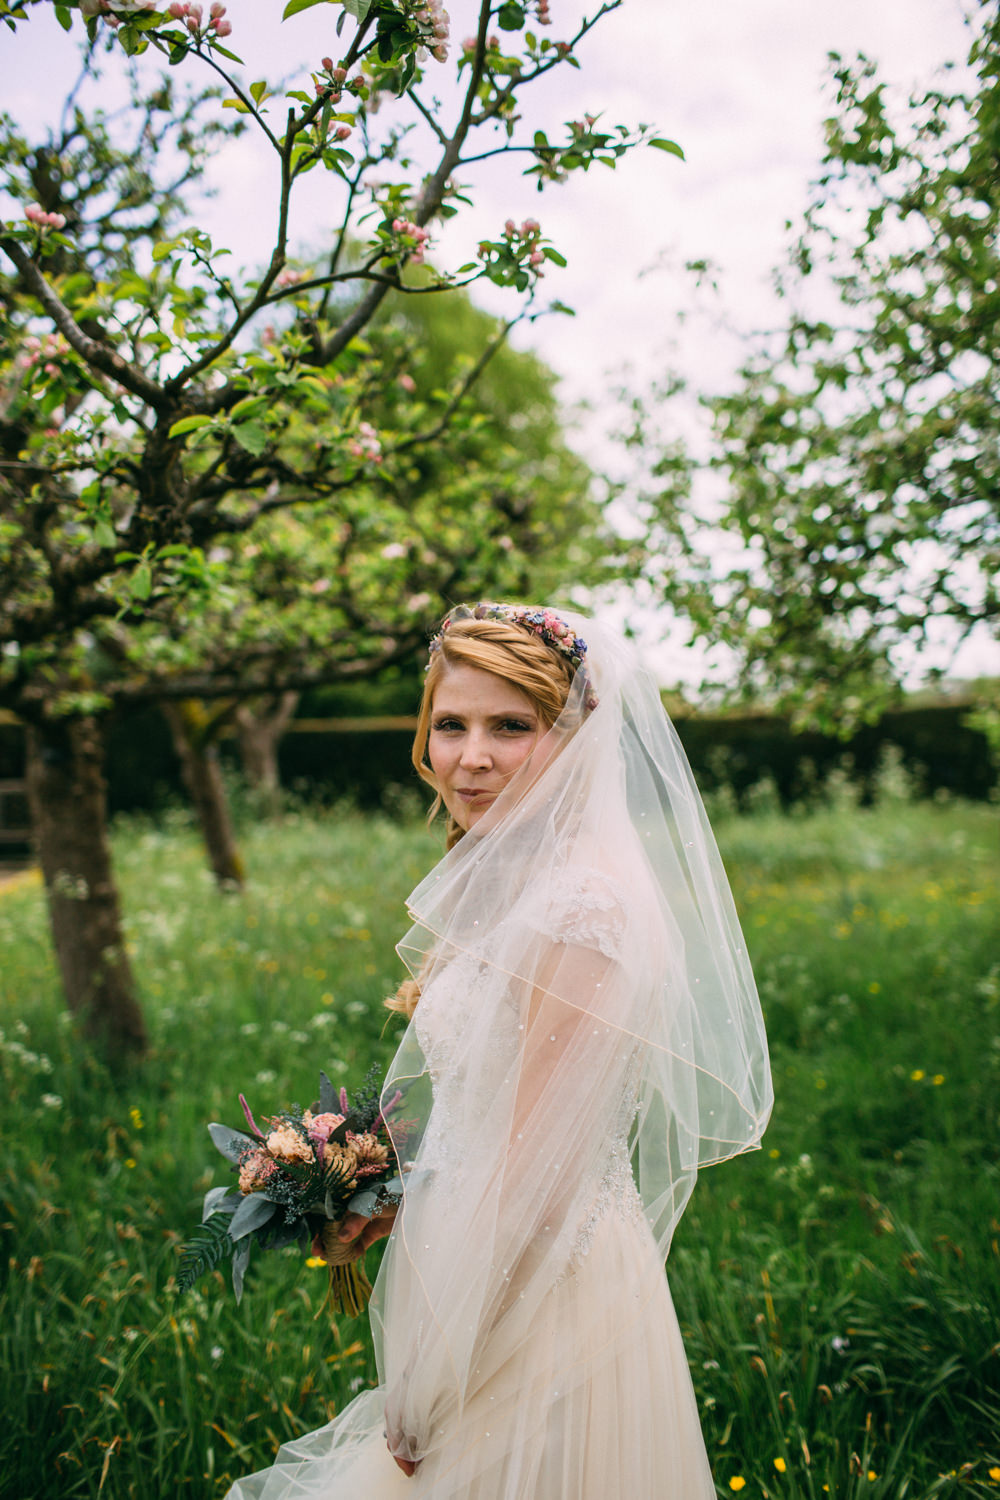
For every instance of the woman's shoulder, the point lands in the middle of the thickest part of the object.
(589, 905)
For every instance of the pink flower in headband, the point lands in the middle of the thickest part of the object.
(544, 623)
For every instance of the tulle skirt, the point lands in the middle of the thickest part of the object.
(597, 1405)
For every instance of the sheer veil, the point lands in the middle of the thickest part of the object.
(587, 1012)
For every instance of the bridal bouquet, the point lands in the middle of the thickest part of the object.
(298, 1178)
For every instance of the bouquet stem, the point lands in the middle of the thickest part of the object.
(350, 1289)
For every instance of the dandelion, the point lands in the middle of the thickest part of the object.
(871, 1474)
(135, 1115)
(737, 1482)
(995, 1474)
(938, 1079)
(130, 1163)
(917, 1075)
(780, 1465)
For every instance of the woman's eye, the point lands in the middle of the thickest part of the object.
(447, 724)
(515, 726)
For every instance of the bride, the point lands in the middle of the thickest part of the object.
(584, 1035)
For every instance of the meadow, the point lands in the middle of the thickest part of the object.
(839, 1291)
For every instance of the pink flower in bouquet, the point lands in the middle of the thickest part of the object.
(287, 1145)
(321, 1127)
(255, 1169)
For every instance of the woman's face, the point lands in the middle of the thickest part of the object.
(482, 730)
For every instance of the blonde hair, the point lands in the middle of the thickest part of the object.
(516, 656)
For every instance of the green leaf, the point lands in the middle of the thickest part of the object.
(104, 531)
(238, 105)
(141, 582)
(662, 144)
(252, 436)
(189, 424)
(258, 90)
(209, 1244)
(554, 256)
(64, 17)
(164, 248)
(295, 6)
(510, 17)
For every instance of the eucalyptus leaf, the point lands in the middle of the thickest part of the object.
(221, 1200)
(328, 1099)
(232, 1143)
(241, 1259)
(253, 1212)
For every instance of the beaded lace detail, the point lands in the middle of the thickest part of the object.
(585, 909)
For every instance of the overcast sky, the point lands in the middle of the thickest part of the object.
(740, 84)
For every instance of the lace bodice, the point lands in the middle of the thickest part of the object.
(585, 910)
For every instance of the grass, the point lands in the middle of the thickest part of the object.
(839, 1291)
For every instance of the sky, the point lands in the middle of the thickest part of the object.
(742, 85)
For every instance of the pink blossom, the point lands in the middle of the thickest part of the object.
(321, 1127)
(510, 227)
(394, 550)
(342, 132)
(340, 74)
(327, 64)
(535, 258)
(192, 25)
(409, 384)
(223, 28)
(217, 10)
(321, 586)
(178, 9)
(530, 227)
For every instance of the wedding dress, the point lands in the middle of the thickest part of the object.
(587, 1036)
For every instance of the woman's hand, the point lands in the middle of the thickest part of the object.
(407, 1465)
(359, 1232)
(355, 1234)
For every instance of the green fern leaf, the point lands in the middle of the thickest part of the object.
(209, 1244)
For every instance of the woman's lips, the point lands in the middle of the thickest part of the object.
(471, 793)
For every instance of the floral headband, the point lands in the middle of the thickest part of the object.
(544, 623)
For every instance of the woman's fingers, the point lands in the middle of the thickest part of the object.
(407, 1465)
(352, 1226)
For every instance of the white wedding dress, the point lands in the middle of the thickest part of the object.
(527, 1341)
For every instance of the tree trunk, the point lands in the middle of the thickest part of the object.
(199, 758)
(66, 795)
(259, 727)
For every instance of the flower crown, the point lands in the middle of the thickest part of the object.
(544, 623)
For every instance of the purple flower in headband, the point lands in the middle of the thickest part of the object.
(545, 623)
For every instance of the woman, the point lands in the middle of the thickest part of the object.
(585, 1033)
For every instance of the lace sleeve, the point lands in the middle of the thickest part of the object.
(586, 909)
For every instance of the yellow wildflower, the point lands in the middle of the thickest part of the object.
(737, 1482)
(995, 1474)
(917, 1074)
(872, 1474)
(780, 1465)
(315, 1260)
(938, 1079)
(135, 1115)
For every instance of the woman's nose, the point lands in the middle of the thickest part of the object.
(475, 750)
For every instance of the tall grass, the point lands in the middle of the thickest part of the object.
(839, 1291)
